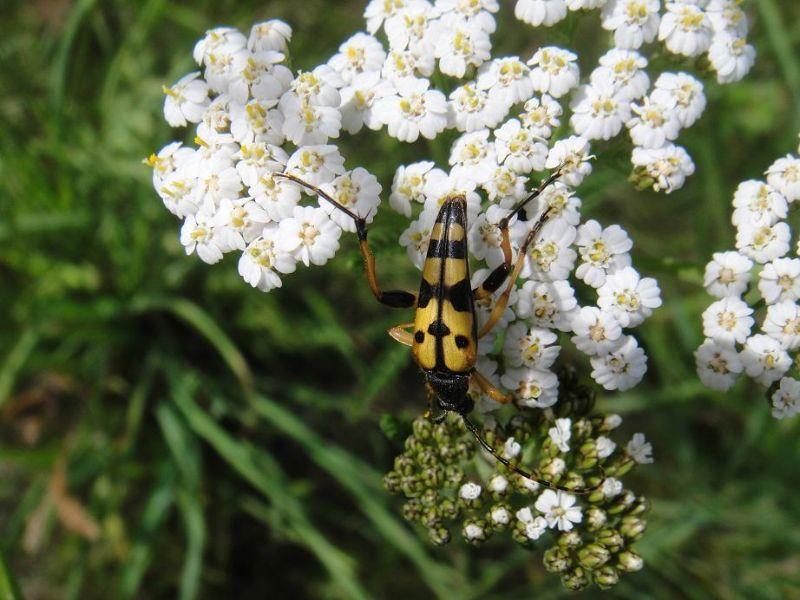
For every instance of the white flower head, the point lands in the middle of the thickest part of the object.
(409, 185)
(540, 12)
(507, 80)
(362, 53)
(605, 447)
(413, 110)
(358, 191)
(461, 44)
(534, 388)
(728, 320)
(786, 399)
(685, 29)
(731, 57)
(634, 22)
(602, 251)
(718, 364)
(599, 110)
(596, 331)
(624, 70)
(309, 235)
(763, 243)
(541, 115)
(765, 359)
(572, 156)
(519, 148)
(561, 433)
(511, 449)
(782, 323)
(784, 176)
(186, 100)
(639, 449)
(472, 108)
(547, 304)
(668, 166)
(728, 274)
(359, 99)
(532, 347)
(758, 203)
(655, 123)
(270, 35)
(559, 509)
(469, 491)
(316, 164)
(630, 298)
(780, 280)
(555, 71)
(683, 93)
(261, 261)
(622, 367)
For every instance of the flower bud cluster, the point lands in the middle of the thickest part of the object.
(759, 282)
(586, 538)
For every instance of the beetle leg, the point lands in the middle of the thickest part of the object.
(488, 388)
(401, 334)
(500, 306)
(496, 278)
(391, 298)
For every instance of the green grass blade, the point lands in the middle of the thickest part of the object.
(15, 361)
(8, 585)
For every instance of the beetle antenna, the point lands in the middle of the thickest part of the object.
(532, 476)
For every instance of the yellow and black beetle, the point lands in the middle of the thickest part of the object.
(444, 334)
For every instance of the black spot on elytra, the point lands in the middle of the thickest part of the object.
(419, 336)
(425, 293)
(460, 296)
(462, 341)
(438, 328)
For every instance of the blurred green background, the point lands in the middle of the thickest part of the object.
(166, 431)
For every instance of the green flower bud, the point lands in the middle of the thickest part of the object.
(557, 560)
(404, 465)
(475, 531)
(573, 481)
(641, 506)
(422, 428)
(453, 476)
(596, 518)
(593, 556)
(430, 516)
(552, 469)
(411, 486)
(412, 510)
(429, 498)
(448, 509)
(582, 429)
(427, 458)
(621, 503)
(632, 527)
(464, 450)
(606, 577)
(413, 445)
(611, 539)
(441, 435)
(432, 476)
(570, 539)
(575, 580)
(620, 467)
(630, 561)
(439, 535)
(391, 482)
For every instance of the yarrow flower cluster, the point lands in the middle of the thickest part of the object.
(759, 282)
(587, 537)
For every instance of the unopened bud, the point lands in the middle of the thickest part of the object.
(632, 527)
(570, 539)
(630, 561)
(606, 577)
(596, 518)
(557, 560)
(575, 580)
(611, 539)
(593, 556)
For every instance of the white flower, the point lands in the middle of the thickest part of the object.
(540, 12)
(473, 531)
(507, 80)
(541, 116)
(361, 53)
(624, 70)
(534, 388)
(257, 75)
(409, 184)
(612, 421)
(256, 121)
(415, 239)
(309, 235)
(547, 304)
(269, 35)
(531, 347)
(500, 515)
(784, 175)
(413, 28)
(780, 280)
(668, 166)
(197, 235)
(786, 399)
(319, 87)
(633, 22)
(379, 10)
(469, 491)
(765, 359)
(555, 71)
(611, 487)
(639, 449)
(622, 367)
(655, 123)
(727, 16)
(217, 178)
(518, 148)
(316, 164)
(401, 64)
(559, 509)
(757, 203)
(217, 42)
(358, 191)
(473, 156)
(561, 433)
(602, 251)
(477, 12)
(783, 323)
(237, 223)
(505, 185)
(358, 101)
(186, 100)
(472, 108)
(535, 528)
(461, 44)
(306, 124)
(564, 206)
(525, 515)
(262, 258)
(256, 158)
(178, 191)
(683, 93)
(718, 364)
(630, 298)
(511, 449)
(605, 447)
(572, 155)
(485, 237)
(685, 29)
(170, 159)
(599, 110)
(550, 257)
(276, 195)
(728, 274)
(413, 110)
(763, 243)
(728, 320)
(438, 189)
(595, 331)
(731, 57)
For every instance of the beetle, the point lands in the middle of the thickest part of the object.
(444, 334)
